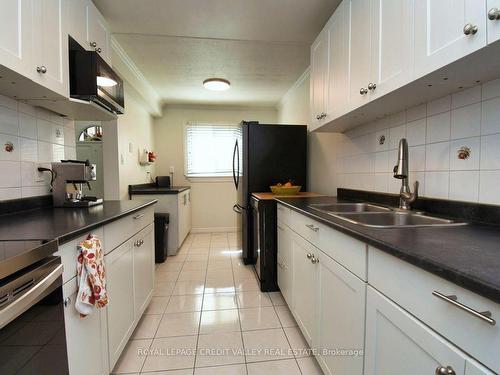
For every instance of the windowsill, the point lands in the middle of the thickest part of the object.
(209, 179)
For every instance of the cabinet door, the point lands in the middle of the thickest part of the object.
(338, 80)
(285, 262)
(143, 268)
(120, 282)
(397, 343)
(474, 368)
(493, 20)
(305, 282)
(440, 37)
(360, 52)
(97, 33)
(341, 302)
(50, 46)
(84, 338)
(15, 35)
(319, 78)
(77, 21)
(392, 45)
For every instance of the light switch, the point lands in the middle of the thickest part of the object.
(122, 159)
(130, 147)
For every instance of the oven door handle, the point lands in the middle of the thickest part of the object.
(23, 303)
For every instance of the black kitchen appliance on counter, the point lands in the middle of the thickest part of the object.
(264, 155)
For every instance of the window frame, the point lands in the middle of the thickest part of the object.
(215, 178)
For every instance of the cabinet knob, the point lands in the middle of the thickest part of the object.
(93, 44)
(314, 260)
(372, 86)
(41, 69)
(98, 50)
(363, 91)
(323, 115)
(318, 117)
(448, 370)
(309, 255)
(494, 14)
(67, 302)
(470, 29)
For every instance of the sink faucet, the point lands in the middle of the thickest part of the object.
(406, 197)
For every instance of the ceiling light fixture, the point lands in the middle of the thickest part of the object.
(216, 84)
(106, 82)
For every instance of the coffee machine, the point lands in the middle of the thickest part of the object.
(68, 178)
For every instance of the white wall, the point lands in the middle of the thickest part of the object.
(134, 129)
(294, 109)
(39, 137)
(435, 132)
(212, 199)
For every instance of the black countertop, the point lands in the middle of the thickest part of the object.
(151, 189)
(468, 256)
(64, 224)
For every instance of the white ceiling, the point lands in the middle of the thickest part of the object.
(261, 46)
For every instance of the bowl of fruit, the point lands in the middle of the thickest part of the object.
(287, 188)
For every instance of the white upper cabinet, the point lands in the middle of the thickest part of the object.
(15, 35)
(391, 46)
(493, 20)
(446, 30)
(97, 33)
(359, 49)
(76, 14)
(50, 46)
(338, 82)
(319, 79)
(397, 343)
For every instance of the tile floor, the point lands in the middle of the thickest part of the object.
(208, 316)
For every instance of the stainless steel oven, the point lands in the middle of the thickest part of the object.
(32, 333)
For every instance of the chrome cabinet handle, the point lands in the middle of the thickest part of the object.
(452, 299)
(67, 302)
(372, 86)
(470, 29)
(448, 370)
(494, 14)
(138, 217)
(314, 260)
(309, 255)
(312, 227)
(363, 91)
(93, 44)
(41, 69)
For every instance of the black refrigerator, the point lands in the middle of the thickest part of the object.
(264, 155)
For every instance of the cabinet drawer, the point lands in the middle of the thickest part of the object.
(346, 250)
(283, 213)
(412, 288)
(68, 253)
(121, 230)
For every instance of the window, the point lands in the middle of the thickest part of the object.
(91, 134)
(209, 149)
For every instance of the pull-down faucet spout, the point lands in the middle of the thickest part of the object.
(406, 197)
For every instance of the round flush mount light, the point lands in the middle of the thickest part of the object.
(106, 81)
(216, 84)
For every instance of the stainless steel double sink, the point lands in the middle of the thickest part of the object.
(375, 216)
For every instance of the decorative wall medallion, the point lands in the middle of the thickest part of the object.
(58, 133)
(381, 140)
(9, 146)
(463, 153)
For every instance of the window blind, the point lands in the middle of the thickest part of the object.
(209, 149)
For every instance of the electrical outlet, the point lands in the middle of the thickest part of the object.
(172, 169)
(122, 159)
(130, 147)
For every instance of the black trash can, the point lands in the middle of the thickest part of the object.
(161, 236)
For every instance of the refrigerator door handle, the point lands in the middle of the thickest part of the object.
(238, 170)
(234, 172)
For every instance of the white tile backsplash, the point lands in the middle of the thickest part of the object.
(435, 132)
(39, 137)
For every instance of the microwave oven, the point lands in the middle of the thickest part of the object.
(92, 79)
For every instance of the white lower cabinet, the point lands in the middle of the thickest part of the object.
(120, 268)
(305, 274)
(397, 343)
(340, 319)
(285, 281)
(143, 269)
(86, 339)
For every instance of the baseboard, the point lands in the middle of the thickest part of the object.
(213, 230)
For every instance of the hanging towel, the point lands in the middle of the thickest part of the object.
(91, 276)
